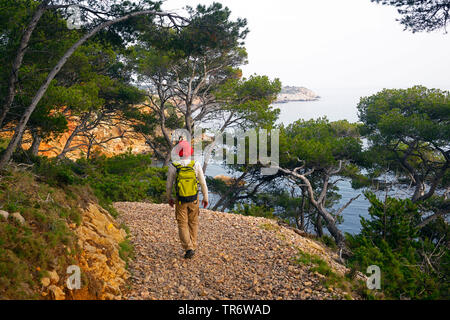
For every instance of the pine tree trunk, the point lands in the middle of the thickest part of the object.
(14, 77)
(20, 128)
(34, 149)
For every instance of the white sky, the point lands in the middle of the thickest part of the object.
(336, 44)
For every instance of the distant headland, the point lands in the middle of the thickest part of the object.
(290, 93)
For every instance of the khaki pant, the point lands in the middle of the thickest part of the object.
(187, 219)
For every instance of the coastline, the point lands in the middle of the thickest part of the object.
(296, 100)
(296, 94)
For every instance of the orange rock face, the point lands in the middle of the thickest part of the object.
(130, 141)
(229, 181)
(99, 237)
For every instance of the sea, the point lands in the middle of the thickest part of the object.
(334, 104)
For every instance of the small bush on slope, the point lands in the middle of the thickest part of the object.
(413, 264)
(43, 242)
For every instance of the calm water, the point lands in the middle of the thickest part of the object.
(335, 104)
(351, 214)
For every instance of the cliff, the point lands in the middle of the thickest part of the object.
(290, 93)
(129, 141)
(44, 230)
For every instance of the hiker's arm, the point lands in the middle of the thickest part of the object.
(202, 181)
(170, 179)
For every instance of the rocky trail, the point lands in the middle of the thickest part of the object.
(239, 257)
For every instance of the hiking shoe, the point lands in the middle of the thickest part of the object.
(189, 254)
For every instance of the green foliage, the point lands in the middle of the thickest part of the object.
(419, 16)
(56, 174)
(209, 28)
(328, 241)
(254, 210)
(27, 251)
(316, 264)
(124, 177)
(250, 99)
(93, 78)
(49, 40)
(415, 112)
(408, 132)
(50, 201)
(331, 278)
(126, 251)
(319, 143)
(196, 60)
(393, 221)
(392, 241)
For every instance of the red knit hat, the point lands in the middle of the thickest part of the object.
(185, 149)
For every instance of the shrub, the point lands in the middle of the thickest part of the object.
(26, 251)
(254, 210)
(331, 278)
(126, 251)
(124, 177)
(392, 241)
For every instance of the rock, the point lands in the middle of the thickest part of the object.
(289, 93)
(45, 281)
(18, 217)
(56, 293)
(112, 289)
(4, 214)
(54, 278)
(228, 180)
(109, 296)
(102, 132)
(221, 280)
(253, 271)
(90, 248)
(100, 236)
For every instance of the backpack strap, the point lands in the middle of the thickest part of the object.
(176, 165)
(189, 167)
(191, 164)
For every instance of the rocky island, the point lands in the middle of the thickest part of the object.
(291, 93)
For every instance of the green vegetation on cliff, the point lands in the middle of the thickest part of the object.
(49, 196)
(44, 242)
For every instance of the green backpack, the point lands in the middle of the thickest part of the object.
(186, 184)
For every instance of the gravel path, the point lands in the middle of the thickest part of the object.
(238, 257)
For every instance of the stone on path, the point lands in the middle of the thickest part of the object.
(238, 257)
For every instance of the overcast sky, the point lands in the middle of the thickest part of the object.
(336, 44)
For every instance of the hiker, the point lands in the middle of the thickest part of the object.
(186, 174)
